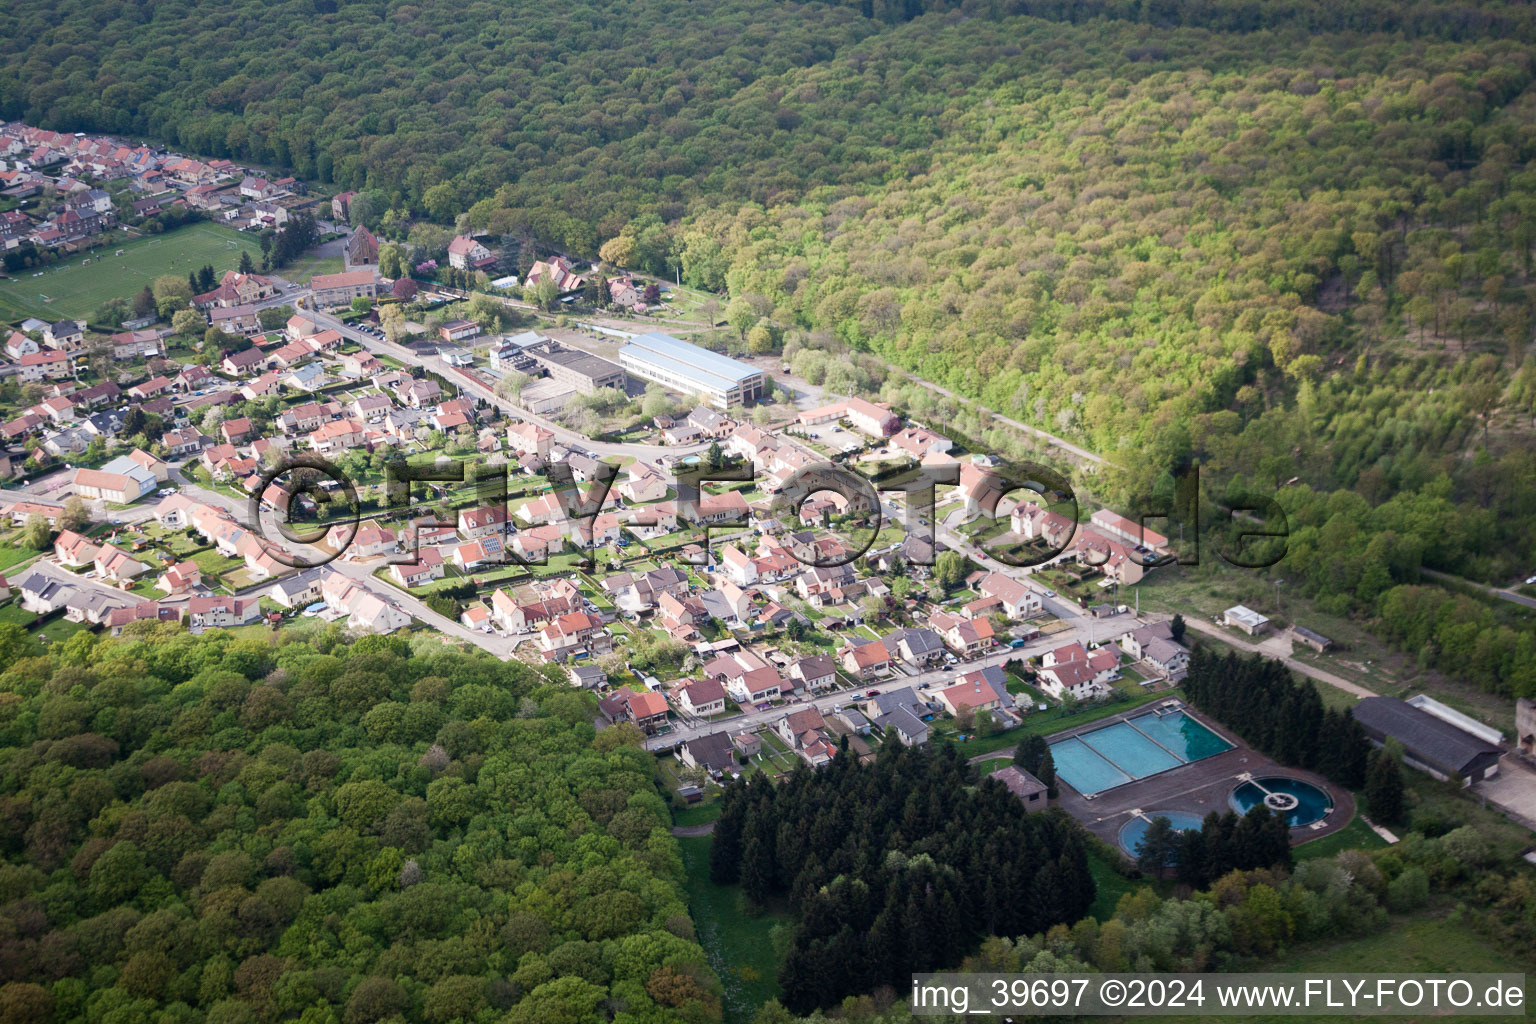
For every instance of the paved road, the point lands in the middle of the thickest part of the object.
(58, 573)
(362, 574)
(1502, 593)
(359, 572)
(648, 452)
(955, 541)
(1226, 636)
(1084, 631)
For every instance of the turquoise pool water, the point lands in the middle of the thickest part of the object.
(1133, 749)
(1312, 804)
(1132, 831)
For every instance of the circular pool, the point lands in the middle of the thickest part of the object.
(1301, 803)
(1132, 831)
(690, 460)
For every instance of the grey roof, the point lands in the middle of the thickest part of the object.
(1307, 634)
(715, 750)
(1144, 635)
(44, 587)
(705, 418)
(689, 361)
(1425, 737)
(817, 666)
(716, 604)
(587, 674)
(584, 363)
(921, 641)
(301, 582)
(891, 700)
(1161, 651)
(905, 722)
(87, 601)
(853, 717)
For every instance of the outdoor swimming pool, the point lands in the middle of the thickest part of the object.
(1133, 749)
(1301, 802)
(1132, 831)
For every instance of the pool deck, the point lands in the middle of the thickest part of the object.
(1198, 787)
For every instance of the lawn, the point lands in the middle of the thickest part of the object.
(738, 945)
(698, 814)
(305, 267)
(1110, 883)
(14, 554)
(54, 626)
(1357, 835)
(74, 288)
(1432, 943)
(1055, 720)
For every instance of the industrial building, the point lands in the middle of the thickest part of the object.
(1432, 742)
(680, 366)
(580, 370)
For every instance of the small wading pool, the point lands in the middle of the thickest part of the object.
(1300, 802)
(1132, 831)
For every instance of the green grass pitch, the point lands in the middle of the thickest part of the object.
(74, 288)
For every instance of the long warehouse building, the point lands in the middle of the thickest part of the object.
(682, 366)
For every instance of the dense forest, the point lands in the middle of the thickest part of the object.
(205, 828)
(895, 867)
(1258, 698)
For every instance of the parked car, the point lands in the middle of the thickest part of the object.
(872, 693)
(1017, 642)
(1530, 580)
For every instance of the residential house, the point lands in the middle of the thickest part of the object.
(1017, 600)
(240, 321)
(427, 567)
(300, 589)
(335, 290)
(45, 365)
(572, 633)
(968, 638)
(557, 269)
(43, 594)
(714, 752)
(970, 695)
(647, 710)
(642, 483)
(73, 549)
(464, 253)
(816, 672)
(115, 565)
(755, 686)
(221, 611)
(800, 727)
(180, 578)
(916, 646)
(1081, 676)
(865, 660)
(702, 697)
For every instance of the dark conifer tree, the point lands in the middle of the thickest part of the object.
(1384, 788)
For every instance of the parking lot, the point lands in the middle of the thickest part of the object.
(835, 438)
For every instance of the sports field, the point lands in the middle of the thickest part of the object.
(74, 288)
